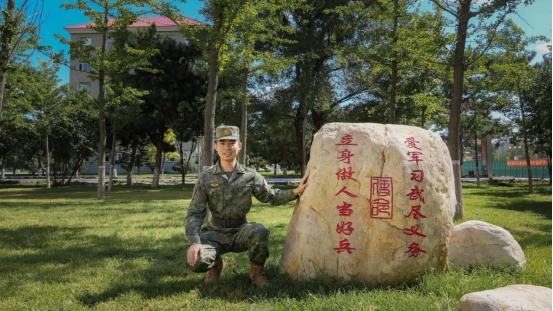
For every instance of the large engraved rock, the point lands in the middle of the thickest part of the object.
(518, 297)
(378, 208)
(480, 243)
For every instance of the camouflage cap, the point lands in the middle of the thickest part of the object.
(229, 132)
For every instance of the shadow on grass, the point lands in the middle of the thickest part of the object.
(526, 238)
(235, 287)
(516, 198)
(522, 204)
(35, 236)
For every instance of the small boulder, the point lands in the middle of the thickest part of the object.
(480, 243)
(513, 297)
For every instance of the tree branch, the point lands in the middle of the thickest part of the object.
(490, 39)
(445, 8)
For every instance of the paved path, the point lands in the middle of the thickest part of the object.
(189, 180)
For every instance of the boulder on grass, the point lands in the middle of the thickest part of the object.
(378, 208)
(480, 243)
(509, 298)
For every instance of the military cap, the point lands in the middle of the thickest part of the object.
(229, 132)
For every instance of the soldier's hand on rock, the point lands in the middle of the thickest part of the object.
(303, 184)
(194, 251)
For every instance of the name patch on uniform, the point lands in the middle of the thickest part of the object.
(214, 185)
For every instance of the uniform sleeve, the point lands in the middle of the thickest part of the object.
(196, 213)
(264, 193)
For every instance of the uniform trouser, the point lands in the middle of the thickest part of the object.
(251, 237)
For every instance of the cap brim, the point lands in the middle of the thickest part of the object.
(226, 138)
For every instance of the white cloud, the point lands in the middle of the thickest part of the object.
(543, 48)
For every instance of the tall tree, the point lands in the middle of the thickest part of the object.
(491, 15)
(233, 29)
(539, 104)
(514, 76)
(107, 17)
(175, 89)
(19, 28)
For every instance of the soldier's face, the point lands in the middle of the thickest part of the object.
(227, 149)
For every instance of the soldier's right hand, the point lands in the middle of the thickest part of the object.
(194, 251)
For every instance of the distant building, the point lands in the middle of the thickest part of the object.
(79, 79)
(78, 74)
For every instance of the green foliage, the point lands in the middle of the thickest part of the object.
(67, 250)
(36, 108)
(174, 89)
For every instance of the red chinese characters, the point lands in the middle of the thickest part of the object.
(345, 246)
(414, 250)
(344, 227)
(415, 196)
(381, 200)
(344, 209)
(344, 174)
(345, 191)
(345, 156)
(415, 212)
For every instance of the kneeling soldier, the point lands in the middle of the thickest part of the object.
(225, 190)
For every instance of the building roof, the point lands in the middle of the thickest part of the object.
(147, 21)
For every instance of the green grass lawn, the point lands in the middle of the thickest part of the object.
(63, 249)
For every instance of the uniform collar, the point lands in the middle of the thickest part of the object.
(218, 170)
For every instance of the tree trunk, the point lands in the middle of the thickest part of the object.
(527, 155)
(210, 105)
(157, 167)
(2, 170)
(299, 123)
(525, 140)
(102, 118)
(274, 169)
(48, 183)
(112, 161)
(181, 153)
(185, 170)
(394, 67)
(489, 156)
(75, 171)
(477, 164)
(243, 156)
(131, 165)
(6, 45)
(318, 118)
(3, 79)
(162, 170)
(454, 126)
(423, 118)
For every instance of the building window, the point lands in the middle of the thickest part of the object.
(87, 41)
(84, 67)
(84, 86)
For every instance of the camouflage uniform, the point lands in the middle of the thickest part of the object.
(229, 201)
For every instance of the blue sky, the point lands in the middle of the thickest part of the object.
(534, 19)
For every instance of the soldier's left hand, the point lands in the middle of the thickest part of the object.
(303, 184)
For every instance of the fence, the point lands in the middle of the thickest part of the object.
(500, 168)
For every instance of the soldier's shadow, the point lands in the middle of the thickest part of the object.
(166, 275)
(234, 286)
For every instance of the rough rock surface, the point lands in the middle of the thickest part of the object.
(480, 243)
(378, 208)
(509, 298)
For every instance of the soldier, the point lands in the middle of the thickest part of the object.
(225, 190)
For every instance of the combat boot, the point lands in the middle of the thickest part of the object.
(214, 273)
(257, 275)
